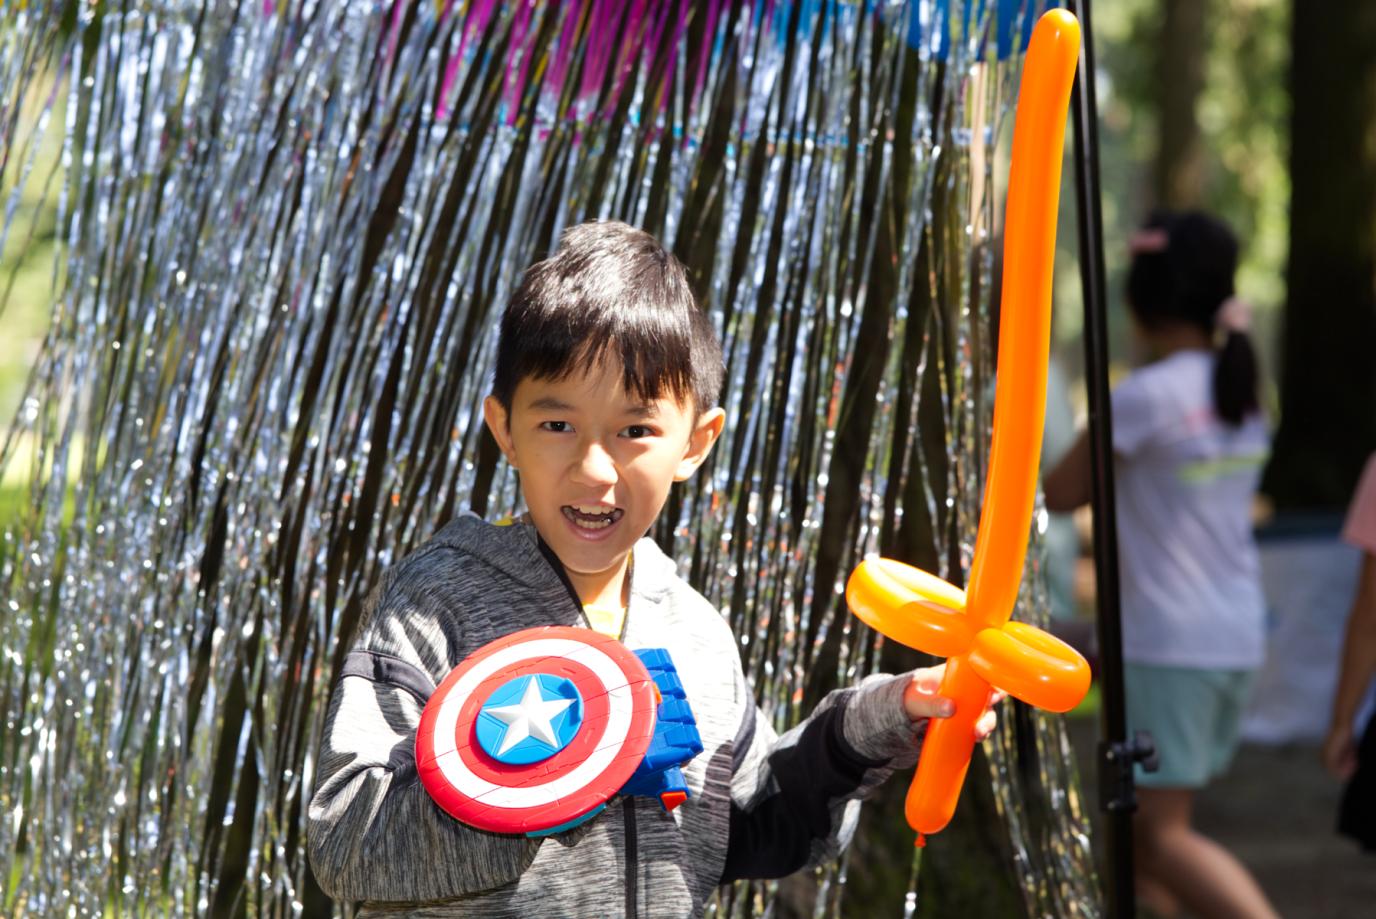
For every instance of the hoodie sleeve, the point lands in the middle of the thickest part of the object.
(374, 833)
(795, 799)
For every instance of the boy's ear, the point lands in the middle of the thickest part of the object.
(704, 435)
(499, 423)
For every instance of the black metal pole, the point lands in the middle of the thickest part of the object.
(1115, 775)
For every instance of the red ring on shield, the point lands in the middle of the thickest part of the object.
(618, 725)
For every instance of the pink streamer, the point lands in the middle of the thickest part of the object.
(520, 27)
(600, 27)
(564, 52)
(709, 40)
(618, 36)
(394, 32)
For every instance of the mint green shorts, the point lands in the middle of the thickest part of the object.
(1193, 714)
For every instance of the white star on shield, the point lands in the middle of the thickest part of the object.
(530, 717)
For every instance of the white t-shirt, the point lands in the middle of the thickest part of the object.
(1191, 588)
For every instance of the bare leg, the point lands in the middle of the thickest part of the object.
(1197, 872)
(1152, 895)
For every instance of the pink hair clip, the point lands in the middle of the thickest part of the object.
(1148, 241)
(1235, 315)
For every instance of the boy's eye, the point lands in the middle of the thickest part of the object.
(637, 431)
(556, 426)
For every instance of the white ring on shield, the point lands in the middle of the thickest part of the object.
(608, 747)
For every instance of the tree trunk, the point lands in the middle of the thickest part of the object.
(1179, 171)
(1328, 349)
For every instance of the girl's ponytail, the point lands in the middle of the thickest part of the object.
(1235, 379)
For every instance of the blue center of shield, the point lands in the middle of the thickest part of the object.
(529, 719)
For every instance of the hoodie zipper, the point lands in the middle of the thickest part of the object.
(628, 804)
(632, 873)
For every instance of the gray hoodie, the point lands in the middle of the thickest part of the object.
(761, 805)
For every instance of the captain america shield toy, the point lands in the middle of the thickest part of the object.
(536, 730)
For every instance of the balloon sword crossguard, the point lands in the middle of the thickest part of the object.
(924, 612)
(985, 651)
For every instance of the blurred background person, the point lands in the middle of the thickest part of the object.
(1342, 754)
(1189, 441)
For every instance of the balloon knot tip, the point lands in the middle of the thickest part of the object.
(920, 842)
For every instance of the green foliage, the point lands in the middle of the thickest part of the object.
(26, 261)
(11, 504)
(1243, 115)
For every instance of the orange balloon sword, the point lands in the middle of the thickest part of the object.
(970, 628)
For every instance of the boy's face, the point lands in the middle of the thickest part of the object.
(596, 463)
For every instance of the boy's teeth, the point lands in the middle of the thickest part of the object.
(603, 516)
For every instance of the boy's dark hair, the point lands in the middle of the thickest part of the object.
(1187, 279)
(610, 288)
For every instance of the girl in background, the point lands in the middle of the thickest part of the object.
(1188, 442)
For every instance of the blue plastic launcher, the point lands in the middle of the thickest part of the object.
(676, 739)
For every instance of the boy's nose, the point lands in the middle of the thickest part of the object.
(595, 467)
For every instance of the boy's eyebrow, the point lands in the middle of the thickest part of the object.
(551, 404)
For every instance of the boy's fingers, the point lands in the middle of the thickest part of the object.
(920, 699)
(928, 679)
(920, 706)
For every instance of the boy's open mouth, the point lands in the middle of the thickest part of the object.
(590, 517)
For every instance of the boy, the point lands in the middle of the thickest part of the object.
(605, 394)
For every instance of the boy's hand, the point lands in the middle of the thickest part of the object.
(921, 700)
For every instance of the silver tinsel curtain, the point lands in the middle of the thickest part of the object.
(286, 231)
